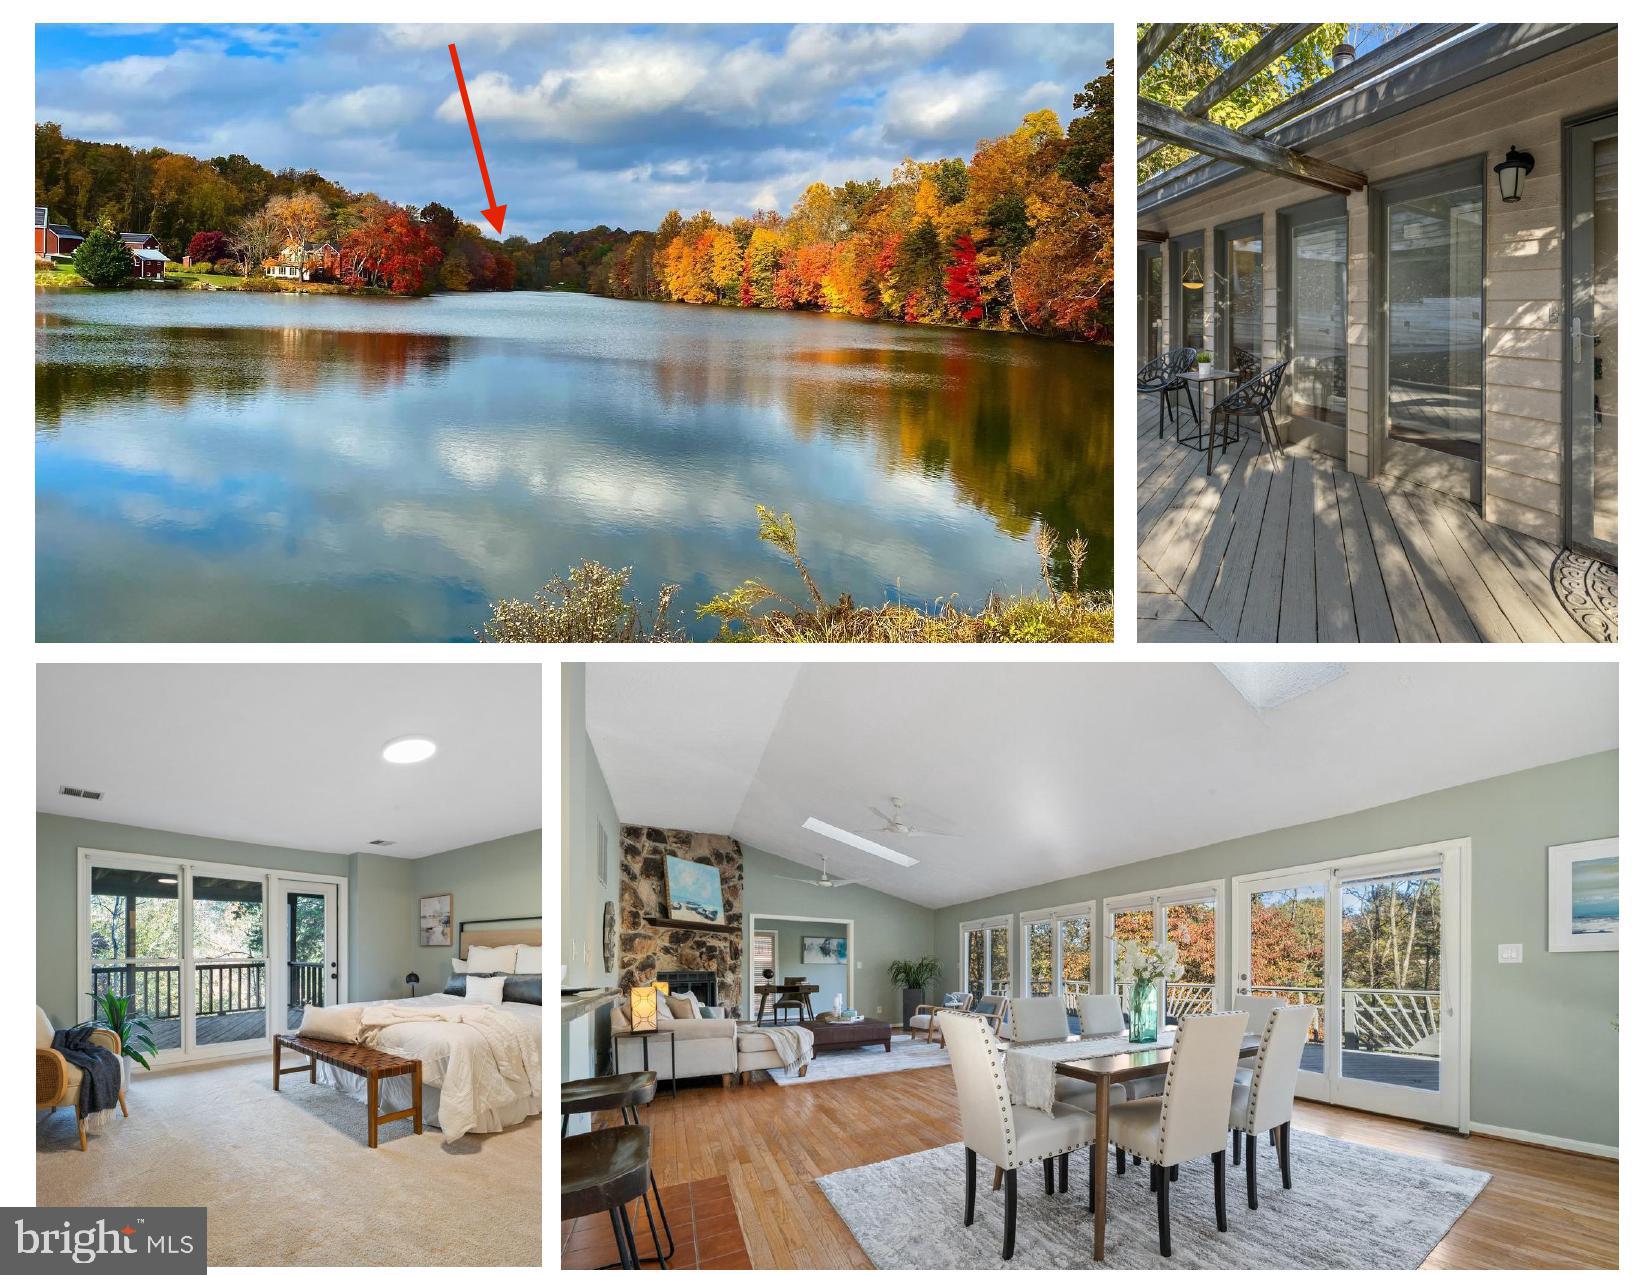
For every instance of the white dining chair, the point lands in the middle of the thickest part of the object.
(1263, 1099)
(1037, 1018)
(1188, 1120)
(1259, 1009)
(1100, 1015)
(1008, 1136)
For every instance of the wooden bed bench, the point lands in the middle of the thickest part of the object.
(360, 1060)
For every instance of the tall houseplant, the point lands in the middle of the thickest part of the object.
(115, 1012)
(913, 978)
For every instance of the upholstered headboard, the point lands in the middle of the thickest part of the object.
(509, 929)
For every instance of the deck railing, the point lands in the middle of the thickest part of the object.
(221, 987)
(1384, 1019)
(1070, 990)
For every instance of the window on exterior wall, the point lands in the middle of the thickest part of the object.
(1189, 265)
(762, 949)
(1191, 918)
(1316, 310)
(985, 957)
(1151, 303)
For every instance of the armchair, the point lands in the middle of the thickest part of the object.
(924, 1021)
(57, 1080)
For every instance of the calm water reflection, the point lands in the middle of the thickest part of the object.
(218, 467)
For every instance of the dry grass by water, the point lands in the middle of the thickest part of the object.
(592, 603)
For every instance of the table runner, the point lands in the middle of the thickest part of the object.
(1029, 1069)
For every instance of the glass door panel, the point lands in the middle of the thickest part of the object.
(1151, 303)
(1039, 952)
(1282, 953)
(1189, 289)
(1434, 320)
(1245, 303)
(1594, 342)
(1137, 924)
(1076, 955)
(1317, 320)
(226, 929)
(137, 945)
(1391, 979)
(309, 915)
(1190, 926)
(985, 960)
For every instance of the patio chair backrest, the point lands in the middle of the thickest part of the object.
(1167, 368)
(1100, 1015)
(1277, 1066)
(1038, 1018)
(1257, 395)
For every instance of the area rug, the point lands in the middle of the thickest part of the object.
(1589, 591)
(1352, 1207)
(288, 1179)
(908, 1054)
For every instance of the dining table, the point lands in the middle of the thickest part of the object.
(1114, 1061)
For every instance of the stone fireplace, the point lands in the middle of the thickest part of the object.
(653, 950)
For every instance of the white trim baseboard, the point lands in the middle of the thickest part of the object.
(1547, 1140)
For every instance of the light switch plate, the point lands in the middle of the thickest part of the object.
(1511, 953)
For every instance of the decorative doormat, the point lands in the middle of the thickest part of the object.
(1352, 1207)
(1588, 590)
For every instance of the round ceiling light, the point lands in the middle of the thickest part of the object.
(404, 752)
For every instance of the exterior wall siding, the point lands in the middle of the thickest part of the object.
(1524, 286)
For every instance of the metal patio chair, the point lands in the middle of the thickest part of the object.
(1165, 376)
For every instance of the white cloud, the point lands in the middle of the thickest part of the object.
(942, 106)
(375, 107)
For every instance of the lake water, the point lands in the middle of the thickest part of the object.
(224, 467)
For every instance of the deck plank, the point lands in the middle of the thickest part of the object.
(1231, 591)
(1336, 619)
(1298, 609)
(1370, 607)
(1176, 536)
(1199, 580)
(1487, 616)
(1524, 615)
(1262, 607)
(1410, 616)
(1449, 615)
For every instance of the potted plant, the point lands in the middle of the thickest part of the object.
(137, 1044)
(913, 979)
(1203, 356)
(1142, 965)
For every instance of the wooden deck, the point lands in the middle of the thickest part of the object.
(1311, 553)
(215, 1029)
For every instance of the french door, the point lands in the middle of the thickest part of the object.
(984, 959)
(1376, 945)
(1592, 206)
(309, 928)
(1059, 952)
(1189, 917)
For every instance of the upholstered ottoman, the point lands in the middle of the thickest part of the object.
(756, 1053)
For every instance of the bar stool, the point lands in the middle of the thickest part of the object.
(603, 1171)
(625, 1092)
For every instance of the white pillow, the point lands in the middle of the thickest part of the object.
(460, 967)
(338, 1022)
(489, 990)
(492, 960)
(529, 958)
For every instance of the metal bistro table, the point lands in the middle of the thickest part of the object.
(1205, 440)
(646, 1065)
(1103, 1073)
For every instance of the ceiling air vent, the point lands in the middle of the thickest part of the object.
(87, 793)
(380, 842)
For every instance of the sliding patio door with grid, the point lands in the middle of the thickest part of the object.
(1190, 917)
(1376, 944)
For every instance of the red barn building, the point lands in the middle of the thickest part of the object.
(148, 261)
(52, 241)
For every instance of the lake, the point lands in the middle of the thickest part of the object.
(228, 467)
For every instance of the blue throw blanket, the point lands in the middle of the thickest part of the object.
(99, 1069)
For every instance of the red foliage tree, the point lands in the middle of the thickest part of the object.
(390, 250)
(962, 281)
(208, 245)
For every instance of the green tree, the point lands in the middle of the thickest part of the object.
(102, 260)
(1205, 49)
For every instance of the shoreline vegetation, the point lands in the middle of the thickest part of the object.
(1017, 238)
(594, 603)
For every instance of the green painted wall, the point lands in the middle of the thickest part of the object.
(886, 929)
(502, 878)
(1544, 1056)
(57, 838)
(830, 979)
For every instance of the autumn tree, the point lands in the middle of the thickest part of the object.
(962, 282)
(102, 260)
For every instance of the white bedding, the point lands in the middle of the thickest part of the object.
(483, 1068)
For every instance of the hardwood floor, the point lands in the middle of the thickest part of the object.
(1311, 553)
(1542, 1208)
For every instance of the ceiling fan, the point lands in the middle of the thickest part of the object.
(825, 880)
(894, 823)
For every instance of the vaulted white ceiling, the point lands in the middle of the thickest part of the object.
(1050, 770)
(290, 754)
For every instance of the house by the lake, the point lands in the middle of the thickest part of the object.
(305, 261)
(53, 241)
(148, 261)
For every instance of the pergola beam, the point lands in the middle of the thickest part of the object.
(1143, 235)
(1152, 44)
(1396, 51)
(1208, 138)
(1265, 51)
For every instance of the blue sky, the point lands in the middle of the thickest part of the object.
(582, 124)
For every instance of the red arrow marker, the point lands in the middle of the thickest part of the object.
(494, 212)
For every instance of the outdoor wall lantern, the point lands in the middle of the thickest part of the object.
(1192, 275)
(1511, 172)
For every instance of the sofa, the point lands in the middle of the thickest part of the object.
(704, 1046)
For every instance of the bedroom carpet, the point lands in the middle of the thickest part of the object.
(288, 1178)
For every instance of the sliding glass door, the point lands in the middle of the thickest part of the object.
(1594, 343)
(1059, 952)
(1432, 234)
(309, 917)
(1188, 288)
(1151, 302)
(134, 943)
(1314, 315)
(1374, 945)
(230, 1000)
(1243, 303)
(1188, 916)
(985, 957)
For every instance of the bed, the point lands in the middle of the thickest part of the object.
(483, 1068)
